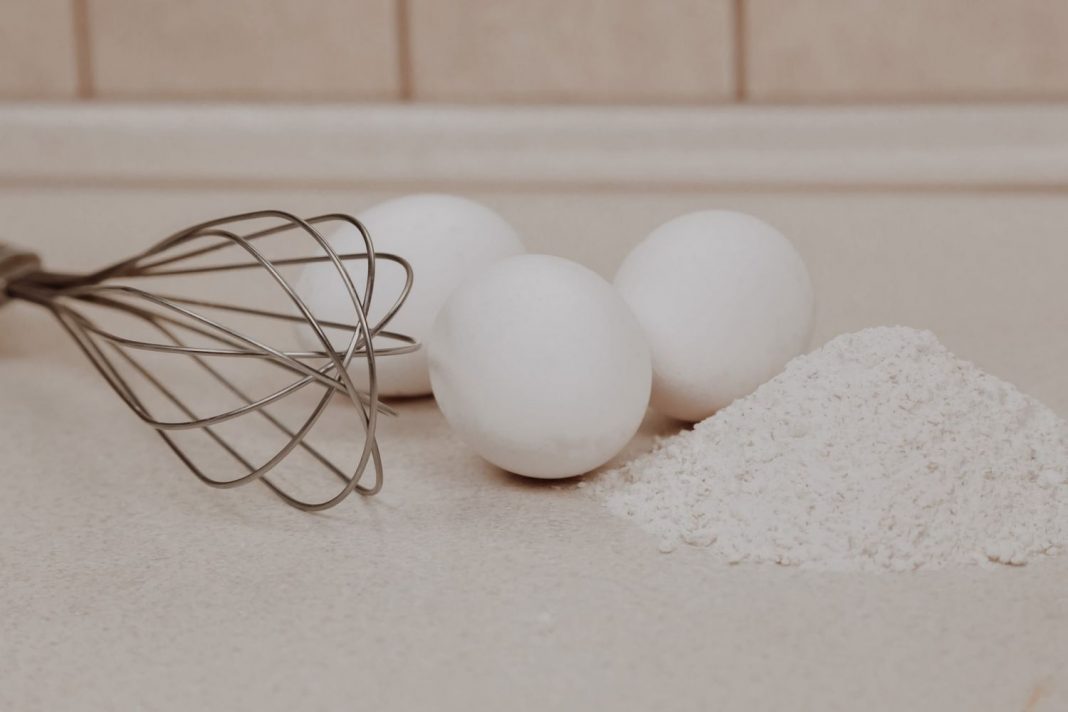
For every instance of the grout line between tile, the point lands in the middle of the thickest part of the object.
(404, 50)
(740, 67)
(83, 55)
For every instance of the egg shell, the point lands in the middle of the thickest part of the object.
(725, 301)
(446, 239)
(540, 367)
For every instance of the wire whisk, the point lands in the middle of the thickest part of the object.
(143, 342)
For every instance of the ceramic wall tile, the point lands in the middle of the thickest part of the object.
(37, 56)
(906, 49)
(572, 50)
(245, 49)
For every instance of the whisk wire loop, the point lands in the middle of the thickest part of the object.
(114, 354)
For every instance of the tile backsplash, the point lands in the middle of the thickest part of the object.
(572, 50)
(536, 51)
(812, 50)
(37, 49)
(244, 49)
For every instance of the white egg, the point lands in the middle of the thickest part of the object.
(447, 240)
(725, 301)
(540, 367)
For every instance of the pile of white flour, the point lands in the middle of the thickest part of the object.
(880, 451)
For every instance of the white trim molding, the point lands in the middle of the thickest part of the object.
(998, 147)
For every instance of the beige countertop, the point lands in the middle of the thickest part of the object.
(125, 584)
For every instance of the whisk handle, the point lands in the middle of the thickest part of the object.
(15, 264)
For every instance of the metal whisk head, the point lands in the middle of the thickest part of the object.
(205, 320)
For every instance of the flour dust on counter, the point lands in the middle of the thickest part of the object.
(879, 451)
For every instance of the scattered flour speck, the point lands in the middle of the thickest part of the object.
(879, 451)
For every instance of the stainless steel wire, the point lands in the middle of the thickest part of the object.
(182, 328)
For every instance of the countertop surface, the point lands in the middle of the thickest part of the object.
(126, 584)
